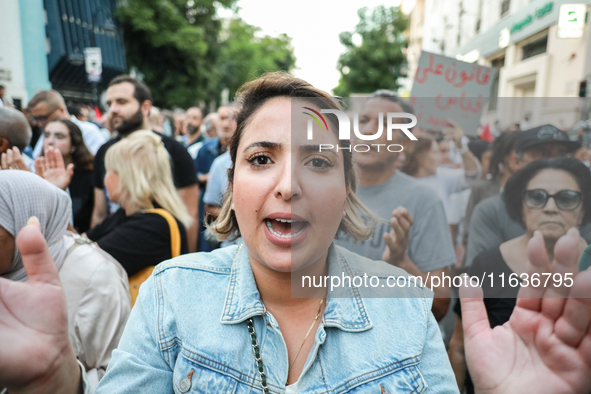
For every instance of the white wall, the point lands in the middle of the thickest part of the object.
(11, 53)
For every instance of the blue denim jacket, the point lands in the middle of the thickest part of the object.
(189, 322)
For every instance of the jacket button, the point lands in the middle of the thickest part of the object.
(185, 384)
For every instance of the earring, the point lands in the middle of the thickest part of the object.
(344, 213)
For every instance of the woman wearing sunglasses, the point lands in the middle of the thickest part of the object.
(548, 196)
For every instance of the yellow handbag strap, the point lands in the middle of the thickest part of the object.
(175, 234)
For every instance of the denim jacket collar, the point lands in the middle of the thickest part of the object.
(243, 299)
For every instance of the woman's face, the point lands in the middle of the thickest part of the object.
(431, 159)
(552, 221)
(112, 186)
(57, 136)
(288, 196)
(6, 250)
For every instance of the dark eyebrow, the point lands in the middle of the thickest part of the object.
(264, 144)
(314, 148)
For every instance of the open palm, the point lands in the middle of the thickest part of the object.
(52, 168)
(545, 347)
(33, 317)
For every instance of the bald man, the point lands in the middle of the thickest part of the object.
(15, 132)
(49, 105)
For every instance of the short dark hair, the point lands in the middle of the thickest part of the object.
(502, 147)
(141, 91)
(517, 184)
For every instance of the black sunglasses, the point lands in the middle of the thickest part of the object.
(565, 200)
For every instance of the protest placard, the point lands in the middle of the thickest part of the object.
(446, 88)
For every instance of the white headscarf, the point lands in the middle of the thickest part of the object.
(24, 194)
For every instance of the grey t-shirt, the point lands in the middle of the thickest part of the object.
(491, 225)
(429, 245)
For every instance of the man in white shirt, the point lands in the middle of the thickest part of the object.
(49, 105)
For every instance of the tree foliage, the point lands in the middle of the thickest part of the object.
(379, 60)
(245, 55)
(187, 54)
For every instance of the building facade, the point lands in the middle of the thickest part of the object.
(43, 42)
(539, 54)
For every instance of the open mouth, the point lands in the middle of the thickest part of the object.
(286, 228)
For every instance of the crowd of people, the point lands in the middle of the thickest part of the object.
(100, 288)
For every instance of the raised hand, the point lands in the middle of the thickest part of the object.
(397, 238)
(454, 133)
(36, 355)
(13, 160)
(52, 168)
(545, 347)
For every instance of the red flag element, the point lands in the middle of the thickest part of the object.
(486, 135)
(98, 114)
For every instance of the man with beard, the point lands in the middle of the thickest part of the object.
(129, 101)
(194, 138)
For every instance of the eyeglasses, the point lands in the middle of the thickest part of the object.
(565, 200)
(44, 118)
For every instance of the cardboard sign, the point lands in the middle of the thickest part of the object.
(446, 88)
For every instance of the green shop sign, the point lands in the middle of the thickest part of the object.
(538, 14)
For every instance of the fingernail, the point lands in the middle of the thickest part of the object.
(538, 234)
(33, 220)
(573, 232)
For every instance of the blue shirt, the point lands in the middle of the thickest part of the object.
(207, 154)
(189, 320)
(218, 180)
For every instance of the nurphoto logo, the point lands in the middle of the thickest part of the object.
(345, 129)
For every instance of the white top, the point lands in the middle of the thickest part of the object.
(448, 181)
(292, 388)
(98, 300)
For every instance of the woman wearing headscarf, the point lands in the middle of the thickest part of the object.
(95, 284)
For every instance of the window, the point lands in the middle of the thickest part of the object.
(505, 5)
(494, 88)
(535, 48)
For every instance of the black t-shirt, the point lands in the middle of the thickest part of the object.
(137, 241)
(82, 193)
(499, 310)
(183, 170)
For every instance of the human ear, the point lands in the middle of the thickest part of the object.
(145, 107)
(4, 145)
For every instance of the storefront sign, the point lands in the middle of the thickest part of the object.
(571, 20)
(538, 14)
(504, 38)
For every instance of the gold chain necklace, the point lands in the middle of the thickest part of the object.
(306, 337)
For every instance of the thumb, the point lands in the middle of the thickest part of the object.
(70, 170)
(37, 260)
(40, 166)
(474, 316)
(390, 239)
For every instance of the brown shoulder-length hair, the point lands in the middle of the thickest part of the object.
(81, 156)
(414, 152)
(252, 96)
